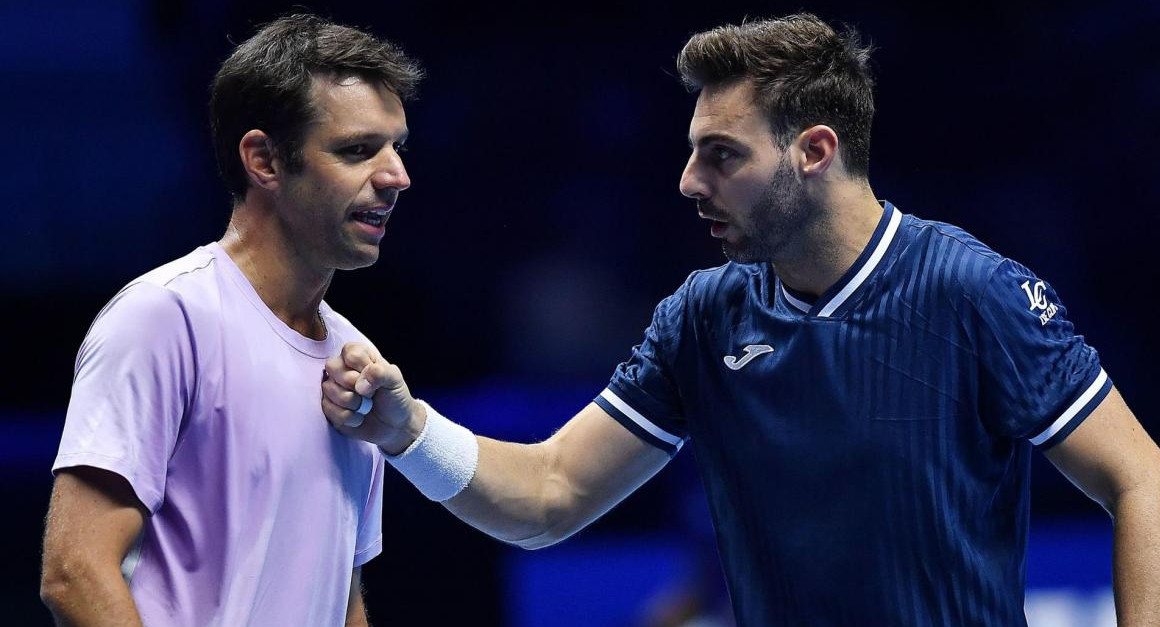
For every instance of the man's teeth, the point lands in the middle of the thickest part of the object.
(372, 218)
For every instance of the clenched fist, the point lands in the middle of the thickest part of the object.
(359, 372)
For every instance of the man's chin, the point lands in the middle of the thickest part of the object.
(736, 254)
(729, 252)
(362, 258)
(745, 254)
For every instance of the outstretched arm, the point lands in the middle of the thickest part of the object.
(534, 495)
(531, 495)
(1111, 458)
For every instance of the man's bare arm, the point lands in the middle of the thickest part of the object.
(356, 613)
(93, 520)
(1111, 458)
(536, 495)
(531, 495)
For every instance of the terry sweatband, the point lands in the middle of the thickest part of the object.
(442, 460)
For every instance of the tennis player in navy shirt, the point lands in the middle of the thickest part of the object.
(866, 388)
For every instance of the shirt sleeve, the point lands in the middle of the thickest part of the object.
(133, 381)
(369, 542)
(642, 395)
(1040, 380)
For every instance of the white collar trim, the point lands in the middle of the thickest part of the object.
(798, 303)
(870, 265)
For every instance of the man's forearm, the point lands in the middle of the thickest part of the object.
(536, 495)
(511, 494)
(530, 495)
(80, 596)
(1137, 557)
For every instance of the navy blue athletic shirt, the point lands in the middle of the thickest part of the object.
(866, 456)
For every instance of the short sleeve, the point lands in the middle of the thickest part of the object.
(643, 395)
(1040, 380)
(369, 542)
(134, 380)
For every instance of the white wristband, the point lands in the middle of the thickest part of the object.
(442, 460)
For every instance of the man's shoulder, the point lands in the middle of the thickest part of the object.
(174, 274)
(949, 254)
(165, 291)
(723, 279)
(703, 290)
(955, 239)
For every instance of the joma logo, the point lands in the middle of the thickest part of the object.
(1038, 297)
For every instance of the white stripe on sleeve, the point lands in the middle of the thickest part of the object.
(1067, 416)
(640, 420)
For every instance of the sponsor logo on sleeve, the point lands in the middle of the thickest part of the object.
(1037, 294)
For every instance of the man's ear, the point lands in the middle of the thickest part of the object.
(256, 151)
(818, 146)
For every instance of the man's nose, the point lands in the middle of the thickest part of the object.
(391, 174)
(692, 183)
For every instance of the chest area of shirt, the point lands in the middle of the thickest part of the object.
(258, 401)
(890, 366)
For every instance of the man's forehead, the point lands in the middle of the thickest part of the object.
(351, 108)
(336, 85)
(728, 108)
(333, 95)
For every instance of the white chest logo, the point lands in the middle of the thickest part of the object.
(1038, 297)
(751, 352)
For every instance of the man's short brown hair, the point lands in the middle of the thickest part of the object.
(805, 73)
(266, 84)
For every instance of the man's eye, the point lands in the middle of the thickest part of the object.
(720, 153)
(356, 150)
(400, 147)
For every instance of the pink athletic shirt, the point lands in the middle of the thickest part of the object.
(190, 388)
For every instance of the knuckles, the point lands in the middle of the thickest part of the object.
(358, 356)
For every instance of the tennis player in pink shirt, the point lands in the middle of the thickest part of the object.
(197, 481)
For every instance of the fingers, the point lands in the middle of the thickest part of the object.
(336, 370)
(352, 380)
(340, 390)
(343, 421)
(337, 415)
(345, 373)
(378, 375)
(338, 383)
(358, 356)
(355, 421)
(360, 414)
(340, 404)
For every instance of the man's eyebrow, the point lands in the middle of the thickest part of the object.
(369, 136)
(710, 138)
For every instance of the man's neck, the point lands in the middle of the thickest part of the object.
(831, 245)
(284, 281)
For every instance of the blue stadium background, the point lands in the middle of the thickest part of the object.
(543, 225)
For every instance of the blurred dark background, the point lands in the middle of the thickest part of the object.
(544, 219)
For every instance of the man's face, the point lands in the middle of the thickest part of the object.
(336, 207)
(739, 177)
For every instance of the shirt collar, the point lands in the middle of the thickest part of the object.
(864, 266)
